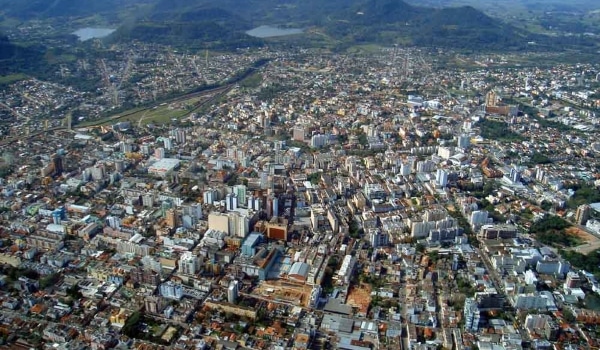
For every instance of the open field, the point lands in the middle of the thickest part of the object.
(163, 112)
(591, 244)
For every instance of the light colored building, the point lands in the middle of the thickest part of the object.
(164, 166)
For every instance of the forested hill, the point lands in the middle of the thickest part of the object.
(350, 21)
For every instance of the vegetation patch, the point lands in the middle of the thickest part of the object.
(494, 130)
(551, 230)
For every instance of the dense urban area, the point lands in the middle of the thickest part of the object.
(391, 198)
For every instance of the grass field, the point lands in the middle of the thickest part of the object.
(160, 114)
(11, 78)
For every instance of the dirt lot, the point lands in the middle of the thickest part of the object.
(592, 242)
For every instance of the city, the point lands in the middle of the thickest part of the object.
(398, 198)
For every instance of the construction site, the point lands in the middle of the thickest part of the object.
(286, 292)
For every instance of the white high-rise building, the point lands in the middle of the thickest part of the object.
(232, 292)
(442, 177)
(239, 224)
(168, 143)
(231, 202)
(405, 169)
(479, 217)
(188, 264)
(171, 290)
(209, 196)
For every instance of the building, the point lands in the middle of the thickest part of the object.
(171, 290)
(277, 230)
(582, 215)
(478, 218)
(171, 218)
(153, 304)
(573, 280)
(239, 224)
(552, 267)
(218, 222)
(498, 231)
(159, 153)
(188, 264)
(378, 238)
(347, 268)
(464, 141)
(442, 178)
(472, 315)
(241, 192)
(318, 141)
(232, 292)
(250, 244)
(231, 202)
(164, 166)
(299, 272)
(515, 175)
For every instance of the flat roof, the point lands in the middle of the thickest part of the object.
(165, 164)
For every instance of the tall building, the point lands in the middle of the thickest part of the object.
(405, 168)
(319, 140)
(171, 290)
(472, 315)
(231, 202)
(239, 224)
(464, 141)
(232, 292)
(153, 304)
(179, 136)
(491, 99)
(298, 133)
(148, 200)
(58, 163)
(171, 218)
(442, 177)
(188, 264)
(583, 214)
(210, 196)
(240, 192)
(159, 153)
(218, 222)
(515, 175)
(275, 204)
(167, 143)
(478, 218)
(193, 210)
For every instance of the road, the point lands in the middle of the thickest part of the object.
(497, 281)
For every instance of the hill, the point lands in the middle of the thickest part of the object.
(340, 23)
(18, 59)
(345, 21)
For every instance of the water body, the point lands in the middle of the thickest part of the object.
(270, 31)
(92, 33)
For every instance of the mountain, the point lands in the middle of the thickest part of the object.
(7, 49)
(42, 9)
(18, 59)
(206, 27)
(339, 23)
(346, 21)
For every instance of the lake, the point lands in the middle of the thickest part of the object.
(92, 33)
(270, 31)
